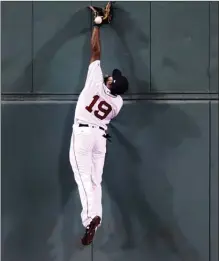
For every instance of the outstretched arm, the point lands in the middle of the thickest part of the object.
(95, 44)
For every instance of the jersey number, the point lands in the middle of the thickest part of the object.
(104, 108)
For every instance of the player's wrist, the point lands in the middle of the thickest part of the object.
(97, 25)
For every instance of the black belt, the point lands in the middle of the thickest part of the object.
(107, 136)
(86, 125)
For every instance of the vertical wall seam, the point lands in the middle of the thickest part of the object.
(32, 48)
(217, 82)
(150, 46)
(209, 191)
(209, 46)
(209, 155)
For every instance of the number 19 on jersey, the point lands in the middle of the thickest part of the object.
(104, 108)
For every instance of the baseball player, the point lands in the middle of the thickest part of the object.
(98, 103)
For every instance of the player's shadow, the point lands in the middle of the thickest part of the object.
(71, 214)
(49, 223)
(70, 238)
(143, 134)
(43, 58)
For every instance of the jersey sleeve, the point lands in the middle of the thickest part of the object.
(94, 75)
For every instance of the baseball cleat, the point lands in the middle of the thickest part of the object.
(90, 231)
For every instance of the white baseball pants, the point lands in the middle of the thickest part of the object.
(87, 157)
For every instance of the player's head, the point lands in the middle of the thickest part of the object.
(117, 83)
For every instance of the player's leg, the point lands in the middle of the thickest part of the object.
(98, 155)
(81, 161)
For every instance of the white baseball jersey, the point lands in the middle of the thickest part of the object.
(96, 105)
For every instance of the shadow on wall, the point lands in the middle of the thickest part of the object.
(130, 198)
(71, 240)
(42, 249)
(45, 55)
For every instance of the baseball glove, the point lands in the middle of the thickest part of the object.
(105, 13)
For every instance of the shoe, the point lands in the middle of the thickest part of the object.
(90, 231)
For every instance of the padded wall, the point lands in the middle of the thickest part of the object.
(160, 200)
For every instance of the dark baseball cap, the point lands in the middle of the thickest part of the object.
(120, 83)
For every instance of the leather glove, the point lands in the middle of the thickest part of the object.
(105, 13)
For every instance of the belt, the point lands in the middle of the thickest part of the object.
(107, 136)
(86, 125)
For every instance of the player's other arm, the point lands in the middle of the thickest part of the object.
(95, 44)
(118, 107)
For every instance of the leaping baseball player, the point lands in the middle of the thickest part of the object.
(98, 103)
